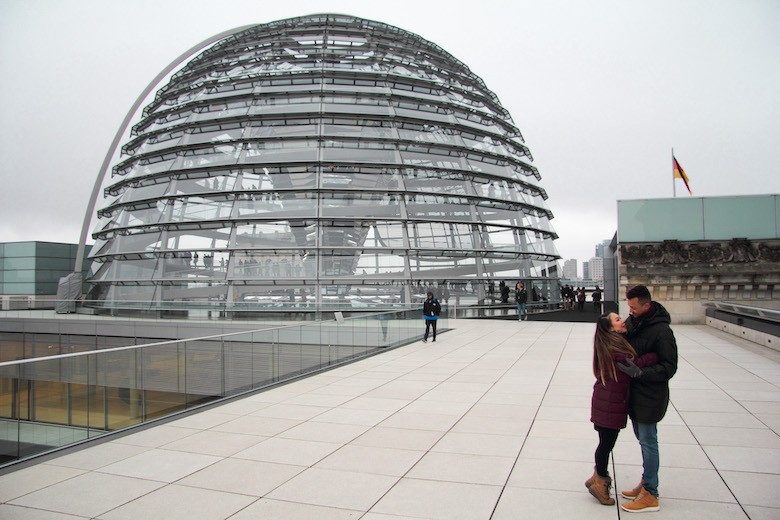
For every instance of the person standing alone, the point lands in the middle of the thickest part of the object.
(648, 331)
(431, 311)
(521, 296)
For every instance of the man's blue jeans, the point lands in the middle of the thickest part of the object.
(647, 434)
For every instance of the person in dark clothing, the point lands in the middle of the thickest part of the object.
(596, 299)
(581, 299)
(431, 311)
(648, 331)
(504, 292)
(609, 403)
(521, 296)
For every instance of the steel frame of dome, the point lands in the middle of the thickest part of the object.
(324, 158)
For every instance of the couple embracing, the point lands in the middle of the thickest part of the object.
(633, 361)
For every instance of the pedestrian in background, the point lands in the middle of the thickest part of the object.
(431, 311)
(521, 297)
(596, 299)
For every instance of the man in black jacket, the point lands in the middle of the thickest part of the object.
(431, 311)
(648, 331)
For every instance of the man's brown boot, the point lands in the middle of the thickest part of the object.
(644, 503)
(633, 493)
(600, 489)
(589, 482)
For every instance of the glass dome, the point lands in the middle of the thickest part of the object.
(322, 159)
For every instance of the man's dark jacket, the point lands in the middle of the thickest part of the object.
(650, 392)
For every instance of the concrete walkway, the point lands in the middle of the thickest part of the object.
(491, 421)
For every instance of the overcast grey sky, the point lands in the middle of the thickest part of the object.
(602, 91)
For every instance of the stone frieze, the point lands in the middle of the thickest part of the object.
(736, 251)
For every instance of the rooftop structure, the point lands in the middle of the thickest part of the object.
(325, 158)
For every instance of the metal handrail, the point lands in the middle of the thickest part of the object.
(746, 310)
(169, 342)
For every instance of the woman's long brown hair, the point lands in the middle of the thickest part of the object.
(605, 343)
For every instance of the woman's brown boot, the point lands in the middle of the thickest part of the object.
(589, 482)
(600, 489)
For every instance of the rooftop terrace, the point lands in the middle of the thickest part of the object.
(491, 421)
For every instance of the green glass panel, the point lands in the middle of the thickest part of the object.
(17, 249)
(740, 217)
(655, 220)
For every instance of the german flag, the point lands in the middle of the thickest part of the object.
(679, 173)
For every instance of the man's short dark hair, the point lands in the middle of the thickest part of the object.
(640, 292)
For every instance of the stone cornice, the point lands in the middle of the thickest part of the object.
(734, 251)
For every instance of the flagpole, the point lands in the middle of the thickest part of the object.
(674, 185)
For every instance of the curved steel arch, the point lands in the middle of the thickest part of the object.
(77, 268)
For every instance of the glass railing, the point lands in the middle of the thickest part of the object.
(268, 311)
(50, 402)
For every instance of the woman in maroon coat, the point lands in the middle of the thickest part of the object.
(609, 404)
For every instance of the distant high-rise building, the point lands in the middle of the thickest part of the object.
(570, 269)
(596, 267)
(586, 270)
(601, 247)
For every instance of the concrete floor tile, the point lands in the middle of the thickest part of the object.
(496, 425)
(210, 442)
(548, 448)
(267, 508)
(723, 420)
(98, 456)
(756, 460)
(9, 512)
(203, 420)
(744, 437)
(562, 429)
(412, 498)
(693, 404)
(160, 465)
(246, 477)
(33, 478)
(704, 485)
(426, 405)
(325, 432)
(368, 403)
(559, 475)
(339, 489)
(421, 421)
(254, 425)
(401, 438)
(770, 420)
(175, 502)
(560, 413)
(479, 444)
(291, 411)
(754, 489)
(759, 407)
(73, 497)
(366, 459)
(519, 503)
(459, 467)
(355, 416)
(296, 452)
(157, 436)
(760, 513)
(510, 411)
(671, 433)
